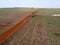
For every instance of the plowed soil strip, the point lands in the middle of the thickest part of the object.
(14, 29)
(21, 32)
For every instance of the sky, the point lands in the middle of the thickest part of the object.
(30, 3)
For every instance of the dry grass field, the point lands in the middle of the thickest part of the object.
(48, 11)
(41, 29)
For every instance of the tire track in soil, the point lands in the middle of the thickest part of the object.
(49, 39)
(33, 36)
(36, 37)
(27, 39)
(46, 37)
(43, 37)
(39, 34)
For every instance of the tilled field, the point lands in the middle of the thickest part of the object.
(19, 35)
(39, 30)
(11, 20)
(11, 17)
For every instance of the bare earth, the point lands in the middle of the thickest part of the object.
(11, 17)
(39, 30)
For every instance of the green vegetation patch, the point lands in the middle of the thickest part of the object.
(49, 22)
(57, 34)
(48, 19)
(37, 17)
(33, 16)
(54, 22)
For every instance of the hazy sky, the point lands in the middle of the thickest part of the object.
(30, 3)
